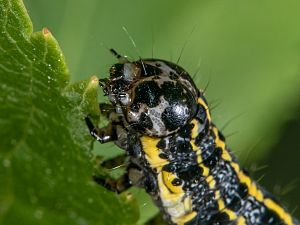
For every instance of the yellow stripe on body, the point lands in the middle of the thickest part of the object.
(201, 102)
(187, 204)
(195, 130)
(221, 144)
(176, 204)
(198, 151)
(167, 179)
(168, 198)
(254, 191)
(232, 215)
(221, 205)
(241, 221)
(212, 183)
(152, 152)
(186, 218)
(252, 187)
(218, 142)
(279, 210)
(173, 197)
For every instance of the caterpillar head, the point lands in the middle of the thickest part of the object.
(156, 97)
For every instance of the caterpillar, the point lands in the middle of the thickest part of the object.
(176, 153)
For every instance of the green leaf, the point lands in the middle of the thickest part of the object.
(45, 160)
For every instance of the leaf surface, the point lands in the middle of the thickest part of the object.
(45, 160)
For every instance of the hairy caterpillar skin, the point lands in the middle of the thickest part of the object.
(162, 121)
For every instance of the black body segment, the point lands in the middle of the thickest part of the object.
(163, 123)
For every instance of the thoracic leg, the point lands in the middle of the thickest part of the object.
(114, 131)
(103, 135)
(106, 109)
(129, 178)
(117, 185)
(114, 162)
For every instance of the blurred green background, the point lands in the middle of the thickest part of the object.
(248, 52)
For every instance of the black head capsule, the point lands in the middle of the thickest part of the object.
(157, 97)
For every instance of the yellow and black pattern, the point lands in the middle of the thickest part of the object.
(200, 182)
(163, 123)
